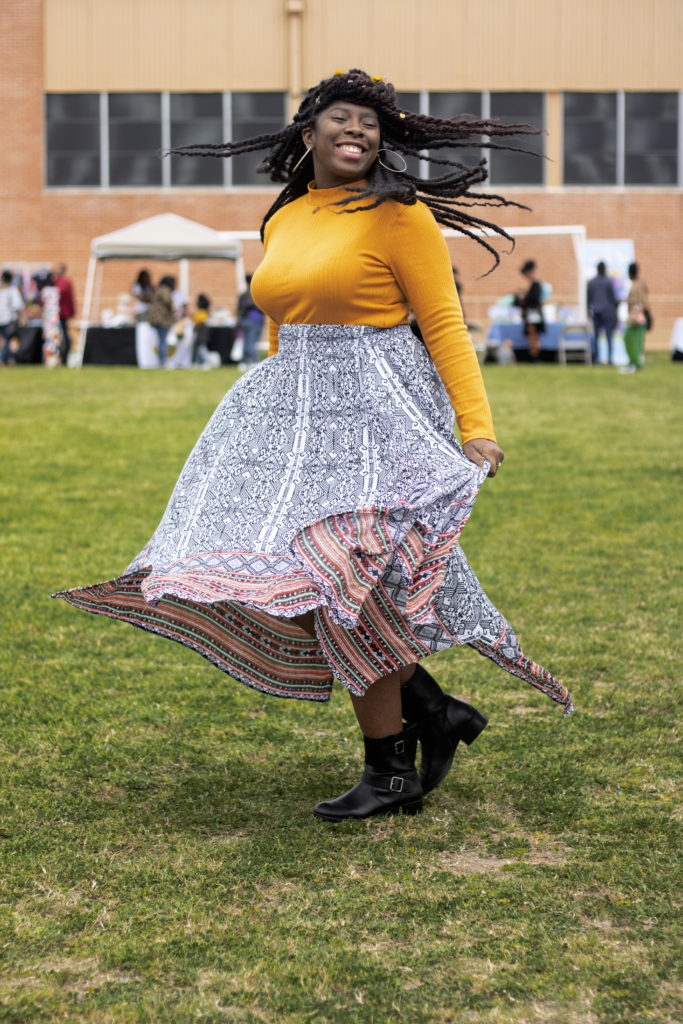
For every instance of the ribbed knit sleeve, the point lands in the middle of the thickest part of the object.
(421, 264)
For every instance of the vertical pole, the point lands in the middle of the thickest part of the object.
(554, 174)
(165, 139)
(424, 109)
(98, 285)
(87, 302)
(621, 137)
(680, 140)
(294, 9)
(185, 278)
(104, 140)
(227, 136)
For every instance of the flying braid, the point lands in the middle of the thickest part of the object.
(448, 196)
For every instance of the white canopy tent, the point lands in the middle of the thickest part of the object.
(164, 237)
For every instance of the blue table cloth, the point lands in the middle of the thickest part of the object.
(515, 333)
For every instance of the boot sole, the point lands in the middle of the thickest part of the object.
(468, 733)
(415, 807)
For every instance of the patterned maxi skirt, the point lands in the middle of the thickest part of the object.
(328, 480)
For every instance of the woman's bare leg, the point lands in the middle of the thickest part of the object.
(534, 342)
(379, 710)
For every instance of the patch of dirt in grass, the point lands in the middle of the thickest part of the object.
(50, 902)
(670, 998)
(479, 862)
(472, 862)
(276, 894)
(85, 976)
(525, 709)
(527, 1013)
(112, 794)
(225, 836)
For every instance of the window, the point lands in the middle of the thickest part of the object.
(590, 138)
(409, 101)
(504, 168)
(651, 138)
(455, 104)
(621, 138)
(117, 139)
(518, 168)
(73, 139)
(135, 138)
(254, 113)
(196, 117)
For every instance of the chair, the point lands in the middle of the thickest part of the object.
(574, 344)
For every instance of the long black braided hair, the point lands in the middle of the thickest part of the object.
(448, 196)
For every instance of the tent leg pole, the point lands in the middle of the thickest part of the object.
(185, 278)
(87, 302)
(241, 277)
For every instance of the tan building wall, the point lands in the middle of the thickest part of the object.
(419, 44)
(43, 226)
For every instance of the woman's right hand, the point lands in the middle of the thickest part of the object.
(479, 448)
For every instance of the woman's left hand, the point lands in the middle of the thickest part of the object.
(479, 449)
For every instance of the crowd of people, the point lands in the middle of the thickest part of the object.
(603, 300)
(603, 303)
(166, 308)
(48, 295)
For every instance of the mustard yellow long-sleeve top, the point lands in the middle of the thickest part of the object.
(323, 266)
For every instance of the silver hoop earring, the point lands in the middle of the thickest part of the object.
(396, 170)
(301, 160)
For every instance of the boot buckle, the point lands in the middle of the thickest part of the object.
(397, 783)
(400, 747)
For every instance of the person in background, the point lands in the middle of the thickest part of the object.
(160, 313)
(11, 304)
(530, 300)
(200, 318)
(250, 322)
(634, 335)
(67, 308)
(143, 293)
(602, 309)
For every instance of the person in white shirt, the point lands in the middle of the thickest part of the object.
(11, 303)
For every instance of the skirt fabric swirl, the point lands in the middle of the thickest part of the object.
(328, 480)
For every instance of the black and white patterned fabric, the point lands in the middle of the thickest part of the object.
(327, 480)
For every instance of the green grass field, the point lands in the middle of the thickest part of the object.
(159, 858)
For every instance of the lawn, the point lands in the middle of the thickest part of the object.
(159, 858)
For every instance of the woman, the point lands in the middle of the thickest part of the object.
(143, 293)
(531, 301)
(161, 314)
(11, 304)
(314, 530)
(250, 323)
(634, 335)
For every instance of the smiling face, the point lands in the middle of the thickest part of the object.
(344, 142)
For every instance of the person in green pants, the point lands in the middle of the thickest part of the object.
(634, 335)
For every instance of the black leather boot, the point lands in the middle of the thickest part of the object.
(389, 784)
(442, 721)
